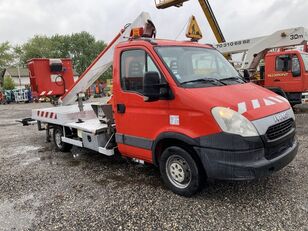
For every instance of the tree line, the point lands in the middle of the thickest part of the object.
(81, 47)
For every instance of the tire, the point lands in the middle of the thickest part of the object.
(57, 135)
(180, 171)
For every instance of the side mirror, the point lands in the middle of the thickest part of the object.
(151, 86)
(296, 68)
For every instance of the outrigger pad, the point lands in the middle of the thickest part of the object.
(26, 121)
(103, 112)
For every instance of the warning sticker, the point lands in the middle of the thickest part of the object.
(193, 29)
(174, 120)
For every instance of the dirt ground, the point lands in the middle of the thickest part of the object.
(41, 189)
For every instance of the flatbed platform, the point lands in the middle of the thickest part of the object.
(63, 115)
(93, 126)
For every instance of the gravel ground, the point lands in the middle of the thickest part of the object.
(41, 189)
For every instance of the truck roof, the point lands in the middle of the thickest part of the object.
(162, 42)
(292, 51)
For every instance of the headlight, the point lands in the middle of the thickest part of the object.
(233, 122)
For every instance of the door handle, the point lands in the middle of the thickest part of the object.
(121, 108)
(276, 80)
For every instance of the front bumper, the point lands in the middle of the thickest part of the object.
(238, 158)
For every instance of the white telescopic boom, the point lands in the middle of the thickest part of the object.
(255, 48)
(103, 61)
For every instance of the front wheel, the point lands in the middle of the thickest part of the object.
(180, 172)
(57, 138)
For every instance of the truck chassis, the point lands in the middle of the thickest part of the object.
(79, 128)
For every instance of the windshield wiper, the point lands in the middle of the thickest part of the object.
(235, 78)
(205, 80)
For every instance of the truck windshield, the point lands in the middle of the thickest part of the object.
(193, 66)
(305, 58)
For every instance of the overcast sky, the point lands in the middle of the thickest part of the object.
(238, 19)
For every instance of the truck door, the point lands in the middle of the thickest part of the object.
(137, 122)
(279, 72)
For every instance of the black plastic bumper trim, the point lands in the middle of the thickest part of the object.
(242, 158)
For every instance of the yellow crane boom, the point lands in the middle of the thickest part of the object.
(163, 4)
(207, 10)
(206, 7)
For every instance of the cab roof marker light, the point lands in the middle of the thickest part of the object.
(148, 31)
(136, 32)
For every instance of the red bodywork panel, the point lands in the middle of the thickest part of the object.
(285, 79)
(46, 83)
(192, 106)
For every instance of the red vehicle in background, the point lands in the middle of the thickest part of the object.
(284, 69)
(50, 78)
(287, 72)
(2, 98)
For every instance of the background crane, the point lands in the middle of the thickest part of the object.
(207, 10)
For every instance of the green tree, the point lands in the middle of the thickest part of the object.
(18, 54)
(84, 49)
(37, 47)
(81, 47)
(6, 55)
(8, 83)
(60, 46)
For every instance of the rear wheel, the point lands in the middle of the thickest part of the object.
(57, 138)
(180, 171)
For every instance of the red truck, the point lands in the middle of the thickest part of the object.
(286, 72)
(283, 72)
(169, 110)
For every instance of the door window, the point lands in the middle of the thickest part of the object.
(134, 64)
(288, 63)
(283, 63)
(296, 67)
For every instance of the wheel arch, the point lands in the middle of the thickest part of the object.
(168, 139)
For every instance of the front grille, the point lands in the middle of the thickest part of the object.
(280, 129)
